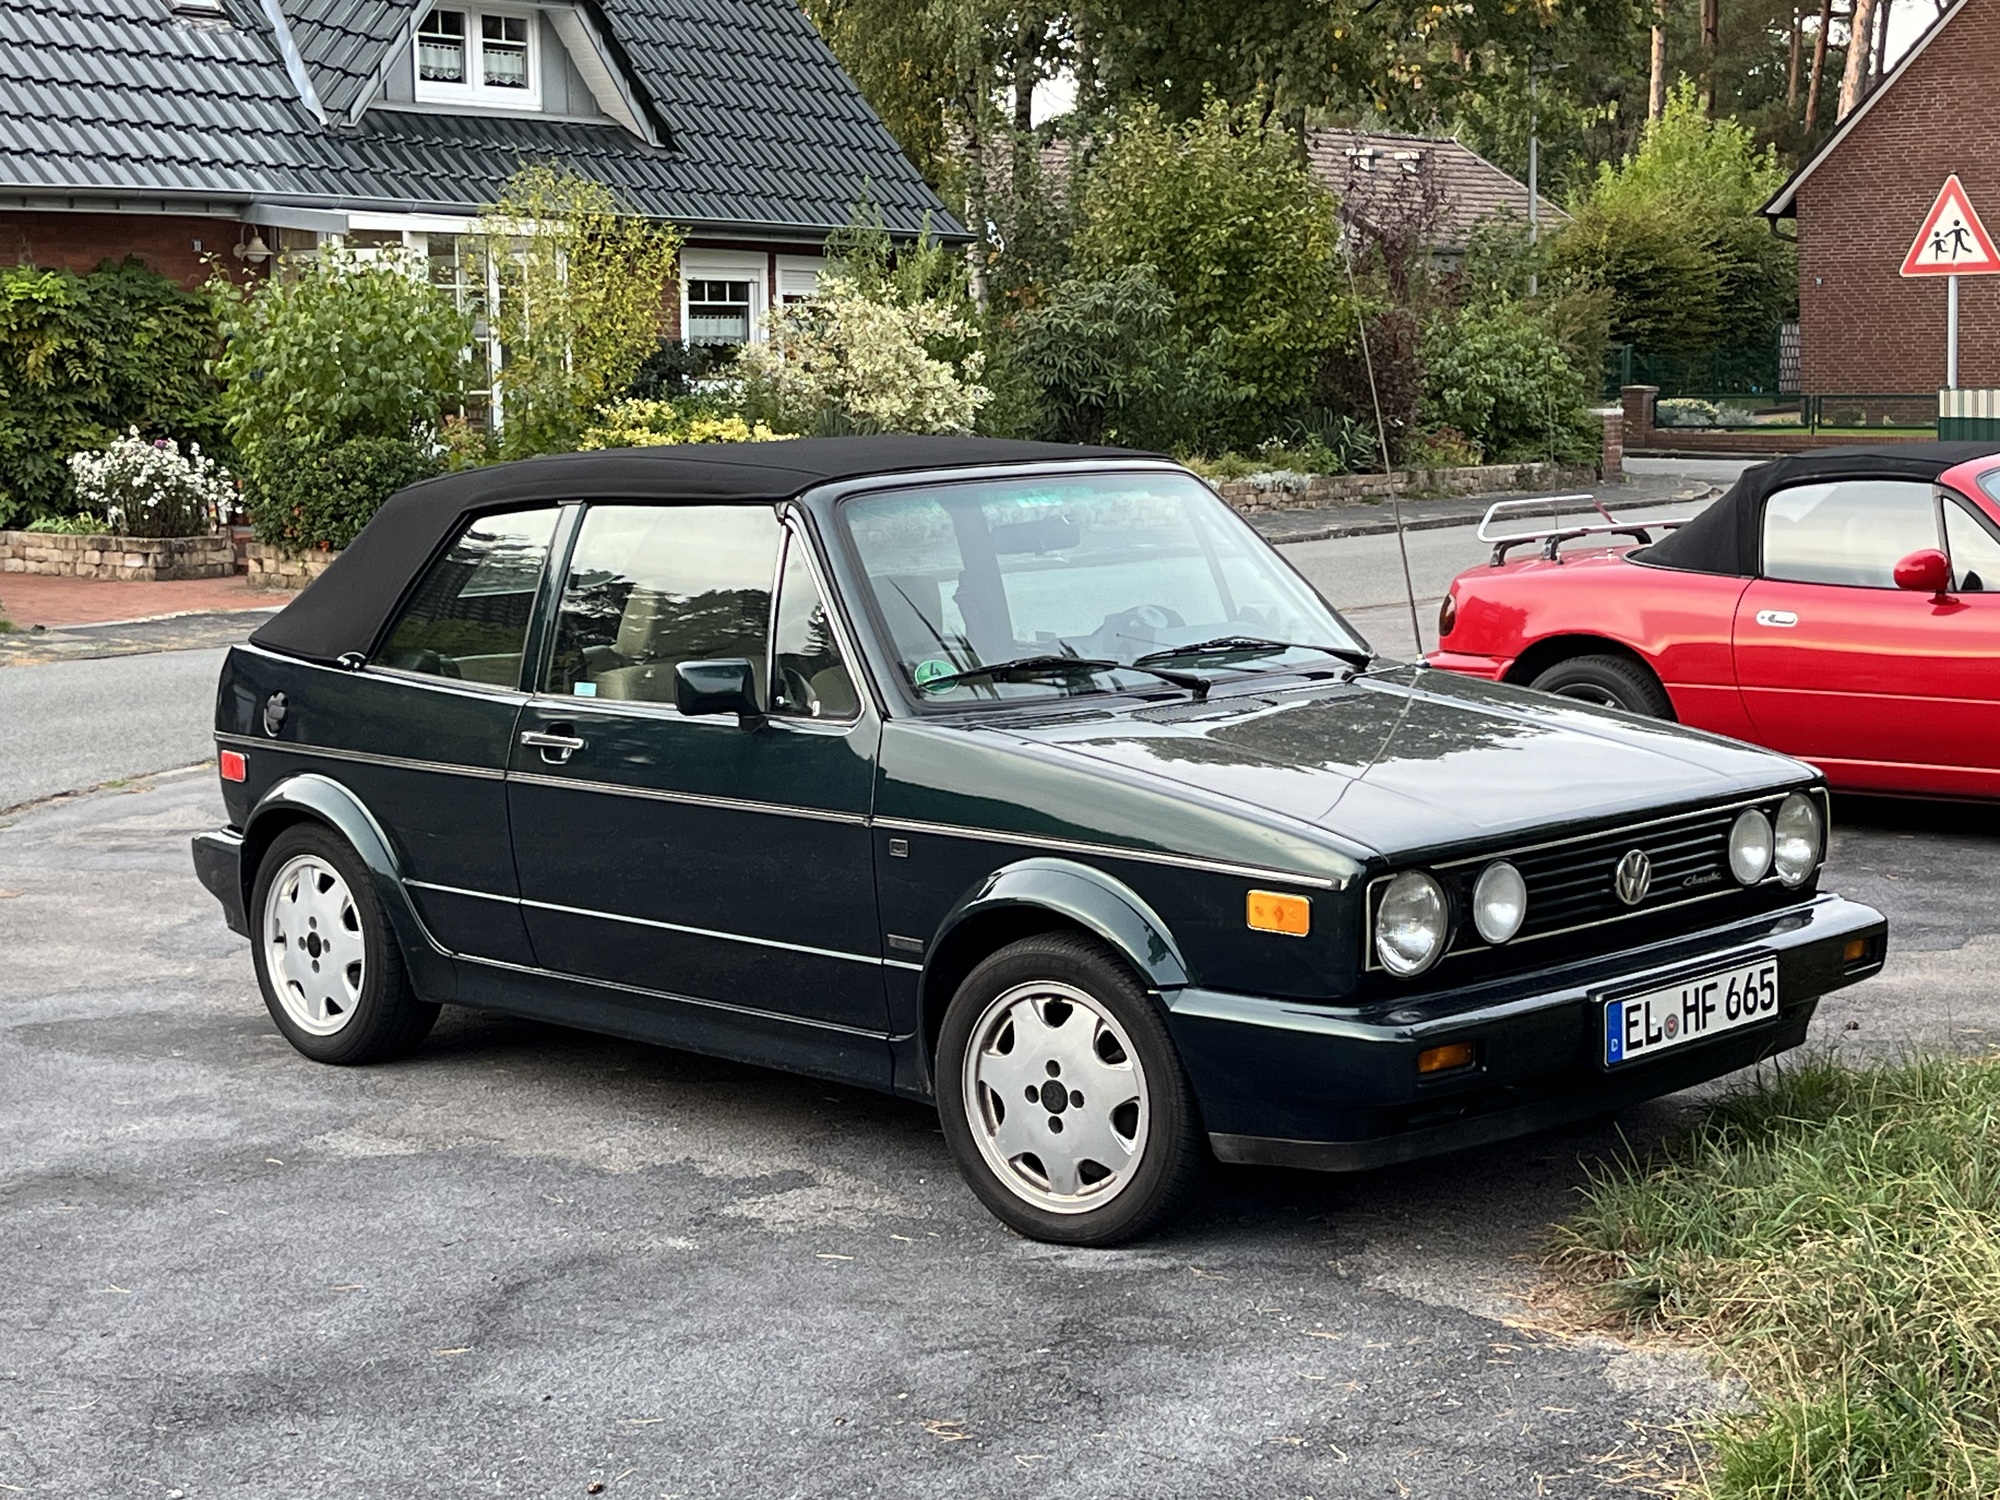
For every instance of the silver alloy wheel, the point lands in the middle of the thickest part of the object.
(314, 950)
(1056, 1097)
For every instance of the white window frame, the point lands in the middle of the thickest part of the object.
(730, 265)
(475, 91)
(798, 277)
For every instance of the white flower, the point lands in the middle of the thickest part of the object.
(176, 495)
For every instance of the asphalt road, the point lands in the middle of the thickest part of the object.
(69, 725)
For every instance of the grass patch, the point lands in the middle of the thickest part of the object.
(1835, 1234)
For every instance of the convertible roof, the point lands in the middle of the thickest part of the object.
(1723, 538)
(346, 607)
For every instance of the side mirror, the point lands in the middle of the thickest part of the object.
(1927, 571)
(717, 687)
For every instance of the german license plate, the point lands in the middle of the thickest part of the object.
(1645, 1025)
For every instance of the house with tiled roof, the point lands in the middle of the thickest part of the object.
(183, 130)
(1438, 181)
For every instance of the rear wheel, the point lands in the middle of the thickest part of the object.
(327, 960)
(1063, 1099)
(1609, 681)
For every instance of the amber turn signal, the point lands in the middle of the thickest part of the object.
(1855, 951)
(1438, 1059)
(1269, 911)
(235, 766)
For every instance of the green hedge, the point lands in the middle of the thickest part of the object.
(314, 496)
(82, 358)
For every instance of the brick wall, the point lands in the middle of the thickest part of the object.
(1864, 327)
(78, 242)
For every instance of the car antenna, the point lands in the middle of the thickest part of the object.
(1382, 440)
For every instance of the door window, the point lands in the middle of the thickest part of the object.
(1975, 555)
(810, 679)
(650, 587)
(1853, 531)
(469, 617)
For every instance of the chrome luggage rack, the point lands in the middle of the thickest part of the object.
(1552, 537)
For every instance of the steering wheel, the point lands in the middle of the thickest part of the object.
(798, 691)
(1142, 622)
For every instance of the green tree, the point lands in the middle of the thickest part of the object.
(337, 347)
(585, 288)
(1238, 233)
(1674, 233)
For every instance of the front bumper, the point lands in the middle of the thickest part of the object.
(1283, 1083)
(218, 865)
(1492, 668)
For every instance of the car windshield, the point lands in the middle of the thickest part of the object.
(1055, 585)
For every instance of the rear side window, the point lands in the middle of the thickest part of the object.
(469, 616)
(650, 587)
(1853, 531)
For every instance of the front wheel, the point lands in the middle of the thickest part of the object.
(327, 960)
(1062, 1097)
(1610, 682)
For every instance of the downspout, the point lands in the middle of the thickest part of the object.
(295, 66)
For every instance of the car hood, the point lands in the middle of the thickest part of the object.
(1412, 759)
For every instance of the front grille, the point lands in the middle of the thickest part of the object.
(1577, 883)
(1573, 894)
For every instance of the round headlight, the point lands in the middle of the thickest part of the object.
(1796, 848)
(1750, 847)
(1499, 902)
(1410, 924)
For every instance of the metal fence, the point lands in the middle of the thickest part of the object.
(1846, 412)
(1749, 370)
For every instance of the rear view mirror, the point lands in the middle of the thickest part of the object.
(716, 687)
(1927, 571)
(1049, 534)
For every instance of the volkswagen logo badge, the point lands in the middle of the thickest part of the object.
(1633, 877)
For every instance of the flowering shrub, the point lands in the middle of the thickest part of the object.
(849, 358)
(655, 424)
(153, 489)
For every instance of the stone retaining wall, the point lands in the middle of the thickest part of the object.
(1290, 491)
(136, 558)
(273, 568)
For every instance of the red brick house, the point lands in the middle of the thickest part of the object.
(1859, 200)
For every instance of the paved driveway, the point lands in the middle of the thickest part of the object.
(528, 1260)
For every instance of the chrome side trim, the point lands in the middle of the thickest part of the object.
(707, 932)
(897, 963)
(1114, 851)
(721, 1005)
(458, 890)
(691, 799)
(363, 757)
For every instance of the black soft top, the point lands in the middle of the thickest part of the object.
(1723, 538)
(347, 606)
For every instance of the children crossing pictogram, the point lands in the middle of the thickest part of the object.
(1952, 242)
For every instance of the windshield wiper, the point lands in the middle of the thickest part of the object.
(1250, 645)
(1063, 666)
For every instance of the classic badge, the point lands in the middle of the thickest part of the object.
(1634, 877)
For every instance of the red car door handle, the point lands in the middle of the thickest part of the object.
(1783, 618)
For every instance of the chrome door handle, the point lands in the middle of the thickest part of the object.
(555, 748)
(1779, 617)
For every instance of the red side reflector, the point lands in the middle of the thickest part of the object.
(235, 765)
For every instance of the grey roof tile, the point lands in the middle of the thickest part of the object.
(766, 132)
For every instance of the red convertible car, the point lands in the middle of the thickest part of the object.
(1841, 606)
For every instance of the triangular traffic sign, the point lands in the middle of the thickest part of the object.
(1952, 242)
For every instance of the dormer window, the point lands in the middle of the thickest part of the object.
(478, 55)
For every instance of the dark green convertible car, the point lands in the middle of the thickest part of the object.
(1025, 779)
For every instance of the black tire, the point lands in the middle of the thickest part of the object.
(1610, 682)
(1168, 1148)
(379, 1018)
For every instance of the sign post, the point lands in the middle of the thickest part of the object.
(1952, 243)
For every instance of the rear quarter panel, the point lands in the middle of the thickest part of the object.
(1679, 623)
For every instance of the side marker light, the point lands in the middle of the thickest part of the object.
(1271, 911)
(1439, 1059)
(235, 765)
(1855, 951)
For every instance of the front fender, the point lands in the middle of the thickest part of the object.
(1085, 896)
(319, 799)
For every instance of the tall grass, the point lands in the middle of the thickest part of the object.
(1836, 1234)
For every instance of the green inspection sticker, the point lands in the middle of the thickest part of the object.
(929, 671)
